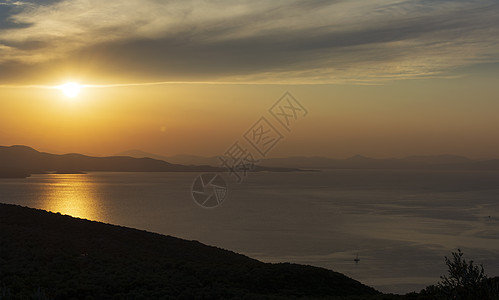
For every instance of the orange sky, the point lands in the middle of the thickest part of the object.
(431, 116)
(380, 78)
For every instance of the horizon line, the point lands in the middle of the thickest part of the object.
(280, 157)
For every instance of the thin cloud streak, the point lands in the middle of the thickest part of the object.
(38, 86)
(260, 41)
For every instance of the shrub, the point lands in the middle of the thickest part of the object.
(465, 280)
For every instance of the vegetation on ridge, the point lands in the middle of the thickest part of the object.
(59, 257)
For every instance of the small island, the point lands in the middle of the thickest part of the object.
(68, 172)
(14, 174)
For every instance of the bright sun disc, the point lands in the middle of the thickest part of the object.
(70, 89)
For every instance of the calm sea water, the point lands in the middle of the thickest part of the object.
(400, 223)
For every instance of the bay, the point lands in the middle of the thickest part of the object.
(400, 223)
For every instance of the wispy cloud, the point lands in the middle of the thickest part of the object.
(250, 41)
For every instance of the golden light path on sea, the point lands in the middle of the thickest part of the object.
(72, 194)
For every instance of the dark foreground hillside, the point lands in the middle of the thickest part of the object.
(50, 256)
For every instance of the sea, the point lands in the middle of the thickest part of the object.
(400, 224)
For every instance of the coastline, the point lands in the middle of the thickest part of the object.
(40, 249)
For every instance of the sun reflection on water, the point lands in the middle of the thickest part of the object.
(74, 195)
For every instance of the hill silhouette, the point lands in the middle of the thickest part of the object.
(61, 257)
(430, 162)
(19, 161)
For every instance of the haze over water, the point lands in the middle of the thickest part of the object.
(400, 223)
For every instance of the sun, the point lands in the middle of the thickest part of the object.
(70, 89)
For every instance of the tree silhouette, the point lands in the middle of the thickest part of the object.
(466, 280)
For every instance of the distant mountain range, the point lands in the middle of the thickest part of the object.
(21, 161)
(180, 159)
(437, 162)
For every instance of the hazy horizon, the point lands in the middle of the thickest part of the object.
(368, 120)
(267, 157)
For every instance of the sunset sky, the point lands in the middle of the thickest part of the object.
(381, 78)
